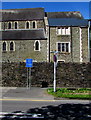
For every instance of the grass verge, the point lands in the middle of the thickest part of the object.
(80, 93)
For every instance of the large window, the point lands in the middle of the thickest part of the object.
(63, 30)
(4, 46)
(63, 47)
(12, 46)
(37, 46)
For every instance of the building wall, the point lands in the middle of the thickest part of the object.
(22, 24)
(85, 45)
(25, 49)
(78, 40)
(75, 44)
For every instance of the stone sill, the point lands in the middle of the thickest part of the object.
(4, 51)
(64, 53)
(63, 35)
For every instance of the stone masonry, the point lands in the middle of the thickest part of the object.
(68, 74)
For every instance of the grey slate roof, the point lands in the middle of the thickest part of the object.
(67, 22)
(37, 34)
(74, 14)
(22, 14)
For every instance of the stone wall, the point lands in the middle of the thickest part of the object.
(25, 49)
(68, 74)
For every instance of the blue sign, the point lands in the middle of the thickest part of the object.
(29, 62)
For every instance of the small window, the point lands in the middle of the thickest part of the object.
(4, 26)
(59, 31)
(11, 46)
(63, 30)
(64, 47)
(9, 25)
(4, 47)
(37, 46)
(34, 24)
(16, 25)
(67, 31)
(27, 25)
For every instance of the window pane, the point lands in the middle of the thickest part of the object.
(9, 25)
(63, 47)
(59, 31)
(4, 46)
(27, 25)
(15, 25)
(33, 24)
(63, 31)
(37, 45)
(67, 30)
(59, 46)
(11, 46)
(67, 47)
(4, 26)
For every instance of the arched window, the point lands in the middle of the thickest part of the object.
(34, 24)
(37, 46)
(9, 25)
(4, 26)
(27, 25)
(16, 25)
(11, 46)
(4, 46)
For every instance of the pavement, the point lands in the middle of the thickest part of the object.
(34, 93)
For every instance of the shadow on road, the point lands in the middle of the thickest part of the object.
(60, 112)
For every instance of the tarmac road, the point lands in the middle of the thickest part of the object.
(37, 101)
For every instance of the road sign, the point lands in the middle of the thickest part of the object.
(55, 58)
(29, 62)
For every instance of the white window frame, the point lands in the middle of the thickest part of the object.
(13, 44)
(68, 31)
(61, 47)
(26, 25)
(17, 25)
(6, 46)
(35, 44)
(63, 30)
(35, 24)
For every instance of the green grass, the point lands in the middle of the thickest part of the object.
(81, 93)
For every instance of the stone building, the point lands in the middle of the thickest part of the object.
(34, 33)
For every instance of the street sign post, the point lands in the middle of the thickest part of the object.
(29, 64)
(55, 65)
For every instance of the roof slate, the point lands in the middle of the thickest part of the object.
(37, 34)
(22, 14)
(67, 22)
(74, 14)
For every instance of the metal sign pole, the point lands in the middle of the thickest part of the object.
(29, 64)
(54, 76)
(30, 78)
(27, 77)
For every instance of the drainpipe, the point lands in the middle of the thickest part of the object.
(71, 44)
(89, 41)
